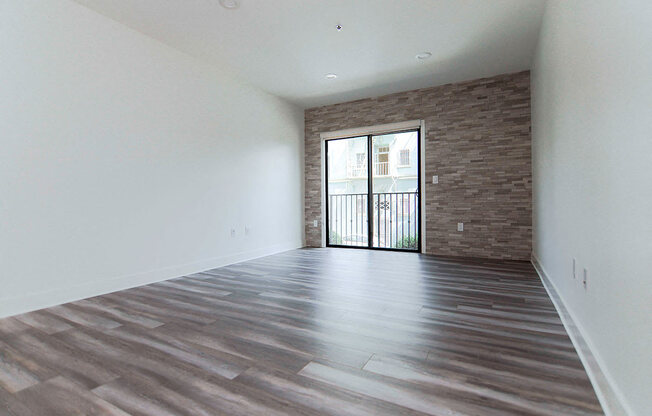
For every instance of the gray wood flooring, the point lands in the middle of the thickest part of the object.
(306, 332)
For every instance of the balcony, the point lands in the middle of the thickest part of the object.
(356, 171)
(395, 220)
(381, 168)
(360, 171)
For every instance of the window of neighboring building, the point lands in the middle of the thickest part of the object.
(404, 157)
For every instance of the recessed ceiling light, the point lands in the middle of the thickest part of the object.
(230, 4)
(331, 76)
(423, 56)
(339, 28)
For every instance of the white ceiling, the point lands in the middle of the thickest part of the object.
(286, 47)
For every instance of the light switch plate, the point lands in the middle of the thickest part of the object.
(435, 179)
(460, 226)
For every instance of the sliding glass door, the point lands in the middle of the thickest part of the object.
(372, 189)
(348, 192)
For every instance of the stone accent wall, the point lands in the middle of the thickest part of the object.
(477, 141)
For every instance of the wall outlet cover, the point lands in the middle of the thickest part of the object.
(460, 226)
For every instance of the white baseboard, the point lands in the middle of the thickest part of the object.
(610, 398)
(39, 300)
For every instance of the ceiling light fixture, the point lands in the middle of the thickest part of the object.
(339, 28)
(331, 76)
(423, 56)
(230, 4)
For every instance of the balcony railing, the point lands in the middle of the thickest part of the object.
(347, 220)
(395, 220)
(396, 223)
(357, 171)
(381, 168)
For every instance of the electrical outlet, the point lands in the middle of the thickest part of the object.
(574, 269)
(232, 232)
(435, 179)
(585, 278)
(460, 226)
(315, 223)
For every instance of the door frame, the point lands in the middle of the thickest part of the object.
(412, 125)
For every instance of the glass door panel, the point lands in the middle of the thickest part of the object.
(395, 191)
(347, 192)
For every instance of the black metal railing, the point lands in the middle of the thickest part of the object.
(347, 220)
(395, 220)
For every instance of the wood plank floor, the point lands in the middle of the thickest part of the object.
(306, 332)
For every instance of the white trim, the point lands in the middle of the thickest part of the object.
(375, 130)
(422, 185)
(605, 388)
(323, 192)
(47, 298)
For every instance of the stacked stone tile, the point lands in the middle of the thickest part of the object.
(478, 143)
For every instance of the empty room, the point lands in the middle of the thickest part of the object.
(335, 207)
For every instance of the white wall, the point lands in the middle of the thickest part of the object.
(123, 161)
(592, 162)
